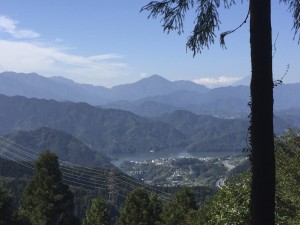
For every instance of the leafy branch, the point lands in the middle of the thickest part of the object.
(294, 8)
(224, 34)
(173, 13)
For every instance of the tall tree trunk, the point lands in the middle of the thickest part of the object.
(262, 139)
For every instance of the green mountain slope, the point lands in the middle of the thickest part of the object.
(109, 130)
(67, 147)
(208, 133)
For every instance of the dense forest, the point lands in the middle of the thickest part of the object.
(117, 131)
(46, 195)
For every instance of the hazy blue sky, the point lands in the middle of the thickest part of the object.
(109, 42)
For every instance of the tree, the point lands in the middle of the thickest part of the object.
(139, 209)
(5, 206)
(155, 209)
(46, 199)
(175, 212)
(287, 178)
(98, 214)
(261, 88)
(231, 204)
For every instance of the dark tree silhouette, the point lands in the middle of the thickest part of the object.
(98, 214)
(46, 199)
(262, 134)
(176, 211)
(172, 14)
(140, 209)
(6, 211)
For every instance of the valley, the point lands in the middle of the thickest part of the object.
(81, 131)
(184, 171)
(153, 134)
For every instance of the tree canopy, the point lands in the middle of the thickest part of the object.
(176, 211)
(231, 204)
(5, 206)
(98, 214)
(207, 23)
(140, 209)
(46, 199)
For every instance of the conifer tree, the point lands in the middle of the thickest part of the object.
(175, 212)
(155, 209)
(46, 199)
(139, 209)
(5, 206)
(98, 214)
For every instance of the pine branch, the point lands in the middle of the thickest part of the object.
(224, 34)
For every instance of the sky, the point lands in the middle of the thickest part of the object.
(110, 42)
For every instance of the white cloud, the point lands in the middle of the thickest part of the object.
(9, 26)
(217, 82)
(29, 57)
(143, 75)
(54, 60)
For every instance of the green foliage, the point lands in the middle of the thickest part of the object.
(5, 206)
(98, 214)
(208, 133)
(175, 212)
(288, 182)
(172, 15)
(46, 199)
(110, 130)
(9, 168)
(117, 185)
(140, 209)
(231, 204)
(155, 209)
(294, 8)
(67, 147)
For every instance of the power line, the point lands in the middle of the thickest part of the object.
(91, 170)
(69, 171)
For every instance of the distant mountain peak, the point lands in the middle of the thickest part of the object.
(154, 78)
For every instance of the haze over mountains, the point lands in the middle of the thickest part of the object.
(112, 131)
(59, 88)
(106, 130)
(151, 115)
(151, 97)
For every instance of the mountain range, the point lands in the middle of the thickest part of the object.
(149, 97)
(112, 131)
(105, 130)
(33, 85)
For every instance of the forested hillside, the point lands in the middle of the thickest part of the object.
(109, 130)
(67, 147)
(87, 183)
(209, 133)
(117, 131)
(122, 200)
